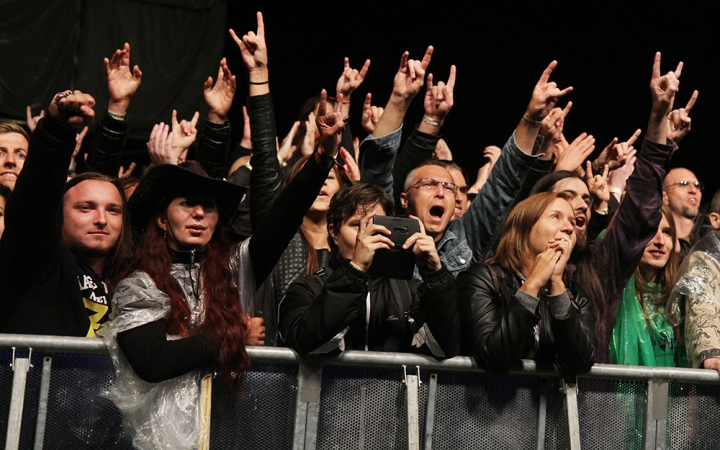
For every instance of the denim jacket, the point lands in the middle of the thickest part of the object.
(467, 240)
(377, 158)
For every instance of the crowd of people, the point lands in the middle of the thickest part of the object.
(545, 255)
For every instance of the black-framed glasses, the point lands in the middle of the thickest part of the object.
(429, 184)
(686, 183)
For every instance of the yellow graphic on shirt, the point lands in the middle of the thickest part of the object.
(99, 310)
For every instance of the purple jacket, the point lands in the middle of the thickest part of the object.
(634, 224)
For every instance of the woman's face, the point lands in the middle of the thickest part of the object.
(555, 223)
(189, 222)
(658, 250)
(330, 187)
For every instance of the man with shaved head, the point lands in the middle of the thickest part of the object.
(682, 192)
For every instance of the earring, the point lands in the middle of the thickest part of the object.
(165, 235)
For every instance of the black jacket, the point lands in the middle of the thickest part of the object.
(318, 307)
(499, 331)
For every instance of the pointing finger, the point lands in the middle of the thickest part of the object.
(692, 101)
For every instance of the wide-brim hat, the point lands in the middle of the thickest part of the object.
(165, 182)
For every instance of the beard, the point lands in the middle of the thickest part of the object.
(689, 212)
(581, 242)
(87, 251)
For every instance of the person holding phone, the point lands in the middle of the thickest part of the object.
(341, 307)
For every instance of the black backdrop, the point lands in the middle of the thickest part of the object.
(605, 52)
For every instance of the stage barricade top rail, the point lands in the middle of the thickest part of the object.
(368, 400)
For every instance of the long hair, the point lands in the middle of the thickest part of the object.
(514, 245)
(312, 264)
(224, 322)
(117, 259)
(667, 276)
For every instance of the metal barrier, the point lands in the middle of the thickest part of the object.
(49, 398)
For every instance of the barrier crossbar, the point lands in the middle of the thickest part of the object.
(360, 400)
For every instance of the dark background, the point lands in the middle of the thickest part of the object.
(605, 51)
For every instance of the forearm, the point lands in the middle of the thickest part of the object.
(213, 147)
(378, 158)
(107, 148)
(284, 218)
(438, 305)
(154, 358)
(393, 115)
(418, 148)
(310, 316)
(265, 178)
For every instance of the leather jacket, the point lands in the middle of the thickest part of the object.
(499, 329)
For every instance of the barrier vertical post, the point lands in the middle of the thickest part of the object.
(413, 411)
(430, 414)
(20, 367)
(656, 415)
(43, 403)
(571, 408)
(307, 408)
(542, 413)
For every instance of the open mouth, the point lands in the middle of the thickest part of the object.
(580, 222)
(436, 212)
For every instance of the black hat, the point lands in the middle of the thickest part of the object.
(165, 182)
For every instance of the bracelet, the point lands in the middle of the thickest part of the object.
(532, 123)
(475, 186)
(259, 82)
(433, 122)
(356, 267)
(116, 116)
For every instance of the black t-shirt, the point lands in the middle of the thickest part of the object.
(95, 295)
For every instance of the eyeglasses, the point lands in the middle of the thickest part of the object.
(428, 184)
(685, 183)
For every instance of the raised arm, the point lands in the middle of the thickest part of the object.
(215, 139)
(485, 216)
(123, 83)
(420, 146)
(32, 220)
(638, 216)
(266, 177)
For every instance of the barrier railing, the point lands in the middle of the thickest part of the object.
(50, 398)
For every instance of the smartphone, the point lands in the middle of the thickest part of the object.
(396, 262)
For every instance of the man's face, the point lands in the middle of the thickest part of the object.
(93, 218)
(681, 194)
(2, 215)
(580, 203)
(461, 198)
(435, 206)
(13, 150)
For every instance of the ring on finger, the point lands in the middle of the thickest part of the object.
(61, 95)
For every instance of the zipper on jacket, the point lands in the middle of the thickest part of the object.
(367, 320)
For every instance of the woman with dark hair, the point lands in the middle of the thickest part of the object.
(646, 330)
(522, 302)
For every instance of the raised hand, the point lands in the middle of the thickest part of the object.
(330, 123)
(246, 141)
(160, 146)
(33, 120)
(350, 167)
(618, 178)
(308, 145)
(571, 156)
(183, 133)
(287, 149)
(410, 77)
(492, 154)
(370, 238)
(551, 130)
(219, 97)
(371, 114)
(598, 186)
(615, 154)
(122, 173)
(122, 83)
(72, 108)
(351, 79)
(442, 151)
(679, 120)
(439, 99)
(424, 248)
(545, 96)
(254, 51)
(663, 90)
